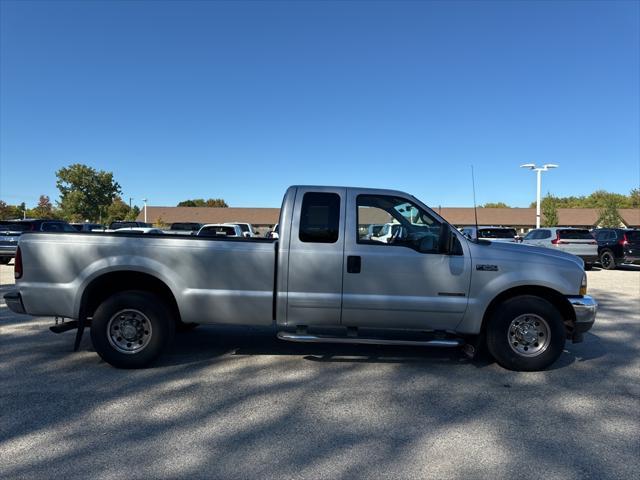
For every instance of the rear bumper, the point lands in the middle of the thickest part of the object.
(585, 309)
(14, 302)
(589, 258)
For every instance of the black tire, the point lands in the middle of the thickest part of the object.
(5, 260)
(137, 308)
(503, 334)
(588, 266)
(607, 260)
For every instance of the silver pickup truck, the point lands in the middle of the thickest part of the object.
(326, 279)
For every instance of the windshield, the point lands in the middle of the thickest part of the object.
(222, 230)
(497, 233)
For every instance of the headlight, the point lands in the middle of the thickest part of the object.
(583, 285)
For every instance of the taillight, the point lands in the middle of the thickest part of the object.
(17, 264)
(557, 241)
(623, 241)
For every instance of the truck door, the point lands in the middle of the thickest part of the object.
(404, 282)
(316, 254)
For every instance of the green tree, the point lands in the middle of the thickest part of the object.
(609, 215)
(201, 202)
(9, 212)
(160, 223)
(85, 193)
(634, 196)
(495, 205)
(216, 202)
(133, 213)
(549, 209)
(44, 209)
(118, 210)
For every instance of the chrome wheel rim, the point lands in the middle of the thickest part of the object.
(129, 331)
(529, 335)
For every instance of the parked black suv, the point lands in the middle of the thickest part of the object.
(10, 231)
(617, 246)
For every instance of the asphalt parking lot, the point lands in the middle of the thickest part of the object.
(228, 403)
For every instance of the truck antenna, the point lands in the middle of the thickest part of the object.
(475, 208)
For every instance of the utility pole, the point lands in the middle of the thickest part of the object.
(145, 209)
(538, 170)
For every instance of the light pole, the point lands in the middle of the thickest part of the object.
(145, 209)
(538, 170)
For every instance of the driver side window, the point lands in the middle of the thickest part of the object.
(387, 220)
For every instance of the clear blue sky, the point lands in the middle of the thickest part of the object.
(240, 99)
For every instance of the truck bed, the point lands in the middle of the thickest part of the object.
(214, 280)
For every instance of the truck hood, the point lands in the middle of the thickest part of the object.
(520, 248)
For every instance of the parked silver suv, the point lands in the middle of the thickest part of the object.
(577, 241)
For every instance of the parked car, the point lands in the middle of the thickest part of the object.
(577, 241)
(374, 229)
(220, 230)
(141, 230)
(493, 234)
(385, 233)
(321, 282)
(275, 233)
(11, 230)
(87, 227)
(128, 224)
(9, 235)
(184, 228)
(617, 246)
(247, 229)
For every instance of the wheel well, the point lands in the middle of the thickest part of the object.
(111, 283)
(556, 298)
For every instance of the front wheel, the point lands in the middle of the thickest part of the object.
(526, 333)
(131, 329)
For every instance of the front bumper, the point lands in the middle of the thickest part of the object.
(14, 302)
(8, 250)
(585, 309)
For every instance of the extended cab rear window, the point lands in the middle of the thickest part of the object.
(575, 234)
(320, 217)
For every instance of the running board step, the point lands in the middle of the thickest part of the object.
(306, 338)
(64, 327)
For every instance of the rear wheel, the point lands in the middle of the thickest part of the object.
(5, 260)
(526, 333)
(131, 329)
(607, 260)
(588, 266)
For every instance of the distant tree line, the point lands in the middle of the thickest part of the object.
(607, 204)
(598, 199)
(87, 194)
(201, 202)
